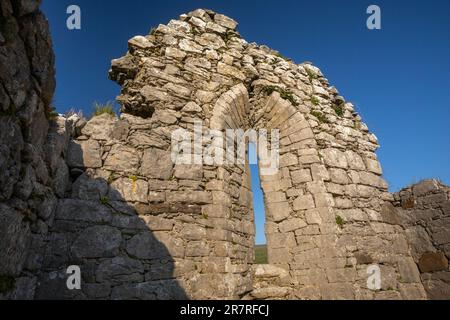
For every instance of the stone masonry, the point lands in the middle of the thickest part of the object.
(31, 166)
(105, 195)
(424, 211)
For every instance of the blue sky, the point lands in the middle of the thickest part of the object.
(397, 77)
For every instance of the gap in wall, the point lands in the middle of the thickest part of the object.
(258, 208)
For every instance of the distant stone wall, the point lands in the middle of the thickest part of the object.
(424, 209)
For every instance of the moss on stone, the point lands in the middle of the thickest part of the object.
(320, 116)
(340, 222)
(339, 109)
(51, 113)
(9, 29)
(104, 200)
(111, 177)
(284, 94)
(315, 101)
(279, 55)
(7, 283)
(311, 74)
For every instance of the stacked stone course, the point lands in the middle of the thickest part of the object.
(141, 227)
(424, 211)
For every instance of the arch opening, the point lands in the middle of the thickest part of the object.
(259, 212)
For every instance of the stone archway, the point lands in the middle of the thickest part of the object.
(143, 227)
(324, 207)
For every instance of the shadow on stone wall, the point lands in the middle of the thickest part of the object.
(119, 256)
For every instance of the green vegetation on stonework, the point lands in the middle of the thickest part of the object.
(102, 108)
(9, 29)
(50, 113)
(284, 94)
(315, 101)
(111, 177)
(311, 74)
(7, 283)
(339, 109)
(279, 55)
(228, 36)
(320, 116)
(339, 221)
(275, 61)
(133, 178)
(261, 254)
(104, 200)
(73, 112)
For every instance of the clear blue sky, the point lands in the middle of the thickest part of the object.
(397, 77)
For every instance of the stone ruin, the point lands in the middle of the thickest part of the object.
(105, 195)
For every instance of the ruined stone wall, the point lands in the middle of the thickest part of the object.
(326, 220)
(141, 227)
(30, 165)
(424, 211)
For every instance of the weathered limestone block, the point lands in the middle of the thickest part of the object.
(195, 197)
(323, 200)
(147, 246)
(188, 172)
(97, 291)
(151, 290)
(122, 159)
(338, 176)
(433, 261)
(282, 240)
(129, 189)
(82, 210)
(158, 223)
(409, 272)
(14, 236)
(87, 188)
(140, 42)
(197, 249)
(100, 127)
(278, 211)
(437, 289)
(227, 70)
(273, 197)
(156, 163)
(225, 21)
(334, 158)
(97, 242)
(373, 166)
(84, 154)
(304, 202)
(355, 161)
(119, 270)
(319, 173)
(271, 293)
(425, 187)
(301, 176)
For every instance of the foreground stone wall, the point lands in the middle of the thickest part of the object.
(28, 170)
(424, 211)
